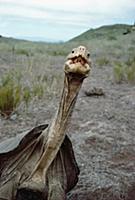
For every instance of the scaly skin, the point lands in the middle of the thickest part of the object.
(76, 68)
(78, 61)
(43, 162)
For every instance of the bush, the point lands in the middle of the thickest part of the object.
(119, 73)
(22, 86)
(10, 95)
(131, 73)
(26, 95)
(38, 90)
(112, 37)
(58, 53)
(125, 71)
(102, 61)
(25, 52)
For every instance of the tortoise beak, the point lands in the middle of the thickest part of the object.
(77, 66)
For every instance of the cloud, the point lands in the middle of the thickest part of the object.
(58, 4)
(72, 17)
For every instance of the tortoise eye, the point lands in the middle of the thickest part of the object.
(88, 55)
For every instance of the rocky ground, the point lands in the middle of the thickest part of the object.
(102, 128)
(102, 131)
(104, 140)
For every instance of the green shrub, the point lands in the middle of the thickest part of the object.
(25, 52)
(131, 73)
(10, 95)
(133, 41)
(22, 52)
(130, 61)
(18, 86)
(119, 73)
(38, 90)
(102, 61)
(58, 51)
(125, 71)
(26, 95)
(112, 37)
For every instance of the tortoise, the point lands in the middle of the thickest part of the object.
(40, 163)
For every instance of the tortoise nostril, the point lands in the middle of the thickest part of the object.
(82, 49)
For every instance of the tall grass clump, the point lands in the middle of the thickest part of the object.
(131, 73)
(125, 72)
(23, 86)
(14, 89)
(119, 73)
(102, 61)
(10, 95)
(26, 95)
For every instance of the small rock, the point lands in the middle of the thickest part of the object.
(95, 92)
(13, 117)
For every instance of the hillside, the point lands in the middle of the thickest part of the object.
(107, 32)
(102, 129)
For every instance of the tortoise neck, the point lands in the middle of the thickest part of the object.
(56, 131)
(70, 92)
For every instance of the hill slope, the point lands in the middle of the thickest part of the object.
(109, 31)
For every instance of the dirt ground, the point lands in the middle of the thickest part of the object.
(104, 140)
(102, 131)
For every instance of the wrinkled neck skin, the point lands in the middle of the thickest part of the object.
(57, 129)
(70, 92)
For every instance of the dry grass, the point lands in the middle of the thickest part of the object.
(103, 61)
(125, 72)
(10, 95)
(23, 86)
(37, 66)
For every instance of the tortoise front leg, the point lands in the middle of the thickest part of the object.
(56, 184)
(56, 179)
(28, 194)
(56, 191)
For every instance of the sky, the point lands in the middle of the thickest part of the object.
(59, 20)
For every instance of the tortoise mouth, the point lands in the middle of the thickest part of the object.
(79, 59)
(77, 66)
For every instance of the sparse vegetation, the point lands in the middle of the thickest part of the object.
(57, 53)
(22, 52)
(125, 71)
(14, 89)
(131, 73)
(34, 67)
(119, 73)
(26, 97)
(102, 61)
(10, 95)
(112, 37)
(38, 90)
(103, 32)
